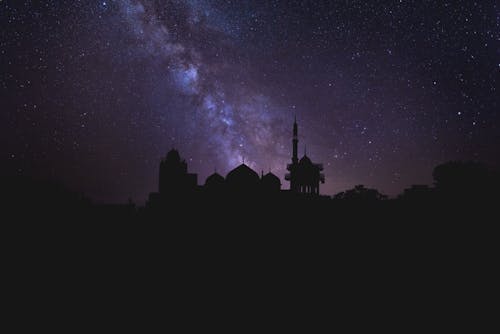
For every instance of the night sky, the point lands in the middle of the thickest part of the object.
(94, 93)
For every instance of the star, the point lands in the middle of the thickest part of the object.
(372, 86)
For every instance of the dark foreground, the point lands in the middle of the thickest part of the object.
(234, 262)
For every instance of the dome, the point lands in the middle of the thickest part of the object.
(242, 177)
(173, 155)
(214, 180)
(305, 160)
(271, 181)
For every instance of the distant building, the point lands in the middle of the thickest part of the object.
(175, 183)
(304, 175)
(174, 178)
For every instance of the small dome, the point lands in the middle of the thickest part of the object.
(242, 177)
(214, 180)
(305, 160)
(271, 181)
(270, 177)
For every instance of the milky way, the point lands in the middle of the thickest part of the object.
(236, 124)
(94, 93)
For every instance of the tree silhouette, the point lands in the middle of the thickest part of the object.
(464, 180)
(361, 193)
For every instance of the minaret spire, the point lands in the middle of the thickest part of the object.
(295, 141)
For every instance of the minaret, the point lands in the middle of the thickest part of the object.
(295, 159)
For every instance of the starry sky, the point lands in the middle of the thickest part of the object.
(94, 93)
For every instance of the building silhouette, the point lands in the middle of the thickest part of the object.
(215, 183)
(304, 175)
(243, 179)
(176, 183)
(270, 183)
(174, 178)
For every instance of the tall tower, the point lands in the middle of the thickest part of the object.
(295, 141)
(304, 175)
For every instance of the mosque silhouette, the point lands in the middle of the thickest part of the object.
(176, 182)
